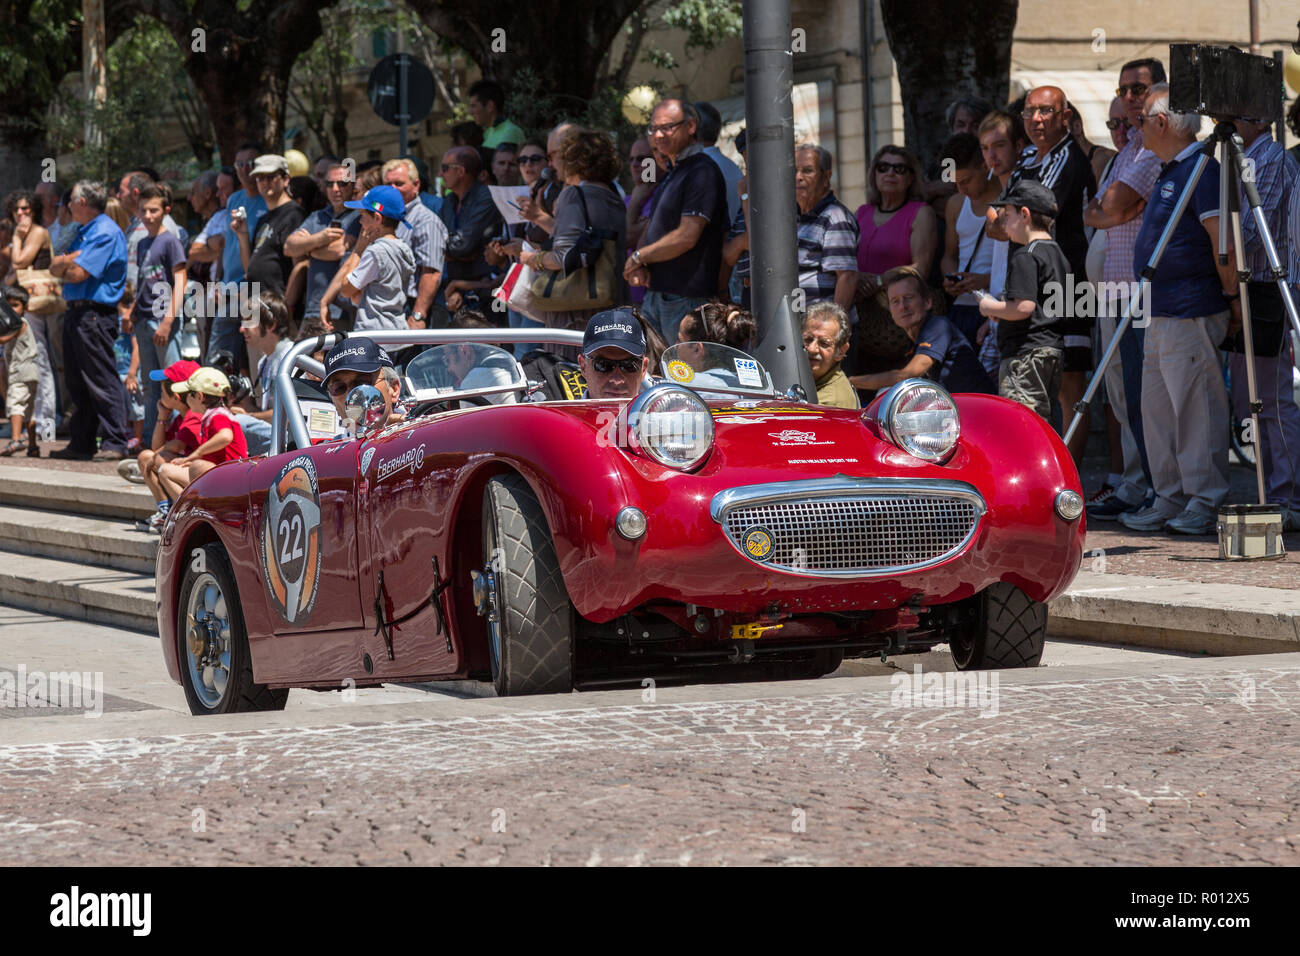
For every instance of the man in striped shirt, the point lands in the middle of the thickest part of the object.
(828, 233)
(1275, 174)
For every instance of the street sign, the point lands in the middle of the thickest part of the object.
(385, 89)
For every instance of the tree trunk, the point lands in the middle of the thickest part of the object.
(241, 60)
(945, 50)
(564, 44)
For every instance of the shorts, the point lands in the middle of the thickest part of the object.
(1078, 358)
(1032, 377)
(18, 400)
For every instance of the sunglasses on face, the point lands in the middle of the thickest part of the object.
(339, 387)
(604, 366)
(531, 158)
(1137, 89)
(899, 168)
(1114, 124)
(663, 127)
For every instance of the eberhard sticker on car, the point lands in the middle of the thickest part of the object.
(291, 540)
(679, 371)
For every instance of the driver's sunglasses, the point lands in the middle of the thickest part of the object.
(340, 386)
(604, 366)
(1114, 124)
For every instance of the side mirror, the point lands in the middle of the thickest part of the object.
(365, 408)
(796, 393)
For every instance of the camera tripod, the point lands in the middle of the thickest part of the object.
(1234, 170)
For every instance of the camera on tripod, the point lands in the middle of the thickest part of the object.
(1223, 82)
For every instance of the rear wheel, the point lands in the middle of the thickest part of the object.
(216, 665)
(522, 594)
(1008, 631)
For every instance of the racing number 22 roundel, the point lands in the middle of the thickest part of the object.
(291, 540)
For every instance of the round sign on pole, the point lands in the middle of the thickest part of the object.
(385, 89)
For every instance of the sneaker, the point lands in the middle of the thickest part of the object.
(1106, 493)
(108, 454)
(156, 522)
(1193, 522)
(1144, 519)
(129, 469)
(71, 454)
(1111, 509)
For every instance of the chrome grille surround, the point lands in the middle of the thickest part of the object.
(852, 527)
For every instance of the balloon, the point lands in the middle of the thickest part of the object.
(638, 103)
(1291, 69)
(298, 165)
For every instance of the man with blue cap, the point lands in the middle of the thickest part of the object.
(613, 359)
(377, 273)
(360, 361)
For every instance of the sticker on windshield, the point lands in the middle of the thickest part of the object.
(322, 420)
(291, 540)
(679, 371)
(748, 373)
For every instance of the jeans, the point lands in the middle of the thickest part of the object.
(666, 311)
(154, 357)
(44, 407)
(1123, 378)
(1278, 444)
(257, 434)
(225, 335)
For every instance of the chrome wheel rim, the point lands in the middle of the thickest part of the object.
(208, 641)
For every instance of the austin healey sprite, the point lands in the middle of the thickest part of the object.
(708, 529)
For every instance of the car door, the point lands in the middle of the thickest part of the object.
(304, 506)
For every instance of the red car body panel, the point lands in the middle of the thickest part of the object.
(419, 497)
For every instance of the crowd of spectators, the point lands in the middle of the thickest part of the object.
(968, 275)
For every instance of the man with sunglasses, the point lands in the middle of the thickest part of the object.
(613, 359)
(325, 237)
(359, 361)
(1117, 208)
(472, 221)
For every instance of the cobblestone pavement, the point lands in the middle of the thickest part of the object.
(1188, 762)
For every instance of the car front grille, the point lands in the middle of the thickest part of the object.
(845, 532)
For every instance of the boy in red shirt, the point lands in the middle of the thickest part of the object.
(206, 393)
(174, 435)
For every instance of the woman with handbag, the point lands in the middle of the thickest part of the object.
(31, 250)
(577, 277)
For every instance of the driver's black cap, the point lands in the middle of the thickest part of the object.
(617, 327)
(356, 354)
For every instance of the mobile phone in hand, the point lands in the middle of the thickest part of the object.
(953, 276)
(336, 222)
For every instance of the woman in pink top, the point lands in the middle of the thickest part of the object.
(896, 226)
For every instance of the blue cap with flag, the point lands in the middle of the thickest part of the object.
(385, 200)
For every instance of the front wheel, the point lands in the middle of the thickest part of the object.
(1008, 630)
(216, 665)
(530, 617)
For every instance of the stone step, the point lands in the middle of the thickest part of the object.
(1218, 619)
(84, 493)
(83, 539)
(103, 595)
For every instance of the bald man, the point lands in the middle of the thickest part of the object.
(1057, 161)
(471, 218)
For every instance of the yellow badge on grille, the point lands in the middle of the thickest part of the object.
(679, 371)
(758, 544)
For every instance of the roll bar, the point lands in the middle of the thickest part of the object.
(299, 356)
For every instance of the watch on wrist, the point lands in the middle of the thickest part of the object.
(636, 257)
(417, 316)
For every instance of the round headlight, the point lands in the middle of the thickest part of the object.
(921, 418)
(672, 425)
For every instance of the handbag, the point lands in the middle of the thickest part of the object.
(44, 291)
(516, 291)
(590, 287)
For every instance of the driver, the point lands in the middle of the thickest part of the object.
(613, 359)
(472, 367)
(359, 361)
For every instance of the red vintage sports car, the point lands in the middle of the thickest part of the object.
(709, 529)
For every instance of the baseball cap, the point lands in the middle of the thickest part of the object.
(385, 200)
(206, 381)
(356, 354)
(1033, 196)
(176, 372)
(614, 327)
(270, 163)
